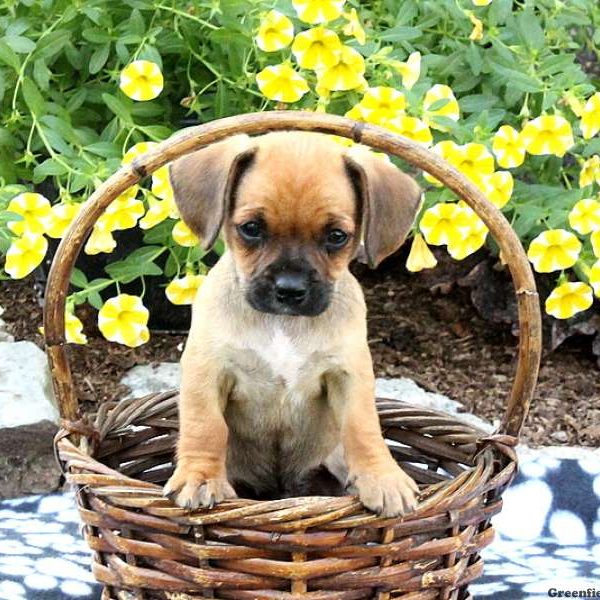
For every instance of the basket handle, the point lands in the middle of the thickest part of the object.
(193, 138)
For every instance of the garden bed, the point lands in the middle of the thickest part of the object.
(435, 337)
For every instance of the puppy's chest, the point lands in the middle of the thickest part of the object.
(277, 365)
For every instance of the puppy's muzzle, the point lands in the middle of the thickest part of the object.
(289, 290)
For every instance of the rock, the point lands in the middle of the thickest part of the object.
(28, 417)
(559, 436)
(27, 463)
(408, 391)
(26, 394)
(4, 335)
(149, 379)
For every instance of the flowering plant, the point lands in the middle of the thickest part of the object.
(495, 88)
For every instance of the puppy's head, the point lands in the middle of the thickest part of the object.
(293, 207)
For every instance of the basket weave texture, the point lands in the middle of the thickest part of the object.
(313, 547)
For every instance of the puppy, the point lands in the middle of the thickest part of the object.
(277, 377)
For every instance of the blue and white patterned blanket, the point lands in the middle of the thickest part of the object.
(548, 537)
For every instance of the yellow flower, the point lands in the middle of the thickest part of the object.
(450, 110)
(346, 73)
(574, 103)
(482, 2)
(590, 171)
(25, 254)
(158, 211)
(275, 33)
(548, 134)
(161, 184)
(183, 290)
(358, 113)
(141, 80)
(498, 187)
(420, 256)
(74, 329)
(137, 150)
(590, 117)
(35, 210)
(61, 216)
(281, 83)
(585, 216)
(354, 28)
(318, 11)
(124, 319)
(184, 236)
(473, 160)
(101, 238)
(554, 250)
(124, 211)
(411, 128)
(508, 147)
(477, 33)
(472, 237)
(595, 239)
(316, 48)
(410, 71)
(380, 104)
(594, 278)
(444, 223)
(444, 149)
(568, 299)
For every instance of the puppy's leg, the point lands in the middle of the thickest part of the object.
(200, 478)
(373, 474)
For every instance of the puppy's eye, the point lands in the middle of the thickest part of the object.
(336, 238)
(251, 231)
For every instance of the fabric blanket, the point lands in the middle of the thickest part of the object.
(548, 537)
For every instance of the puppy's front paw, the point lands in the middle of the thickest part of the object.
(390, 493)
(191, 489)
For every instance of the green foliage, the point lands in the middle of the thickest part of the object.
(65, 122)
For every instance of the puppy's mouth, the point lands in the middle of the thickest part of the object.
(289, 294)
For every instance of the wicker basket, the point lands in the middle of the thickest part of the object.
(315, 548)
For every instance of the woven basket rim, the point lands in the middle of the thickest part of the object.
(489, 448)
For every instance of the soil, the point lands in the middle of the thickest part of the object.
(430, 333)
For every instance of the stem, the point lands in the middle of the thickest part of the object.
(185, 15)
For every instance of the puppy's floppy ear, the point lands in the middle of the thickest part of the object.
(390, 202)
(204, 181)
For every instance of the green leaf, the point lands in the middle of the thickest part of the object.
(51, 44)
(104, 149)
(401, 33)
(477, 103)
(159, 234)
(8, 56)
(33, 98)
(118, 107)
(78, 278)
(99, 58)
(438, 104)
(96, 36)
(530, 30)
(516, 79)
(47, 168)
(95, 299)
(41, 74)
(20, 44)
(474, 58)
(139, 263)
(7, 216)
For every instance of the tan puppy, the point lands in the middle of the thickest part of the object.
(277, 377)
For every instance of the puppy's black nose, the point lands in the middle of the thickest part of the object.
(291, 288)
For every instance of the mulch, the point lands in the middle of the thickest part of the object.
(429, 333)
